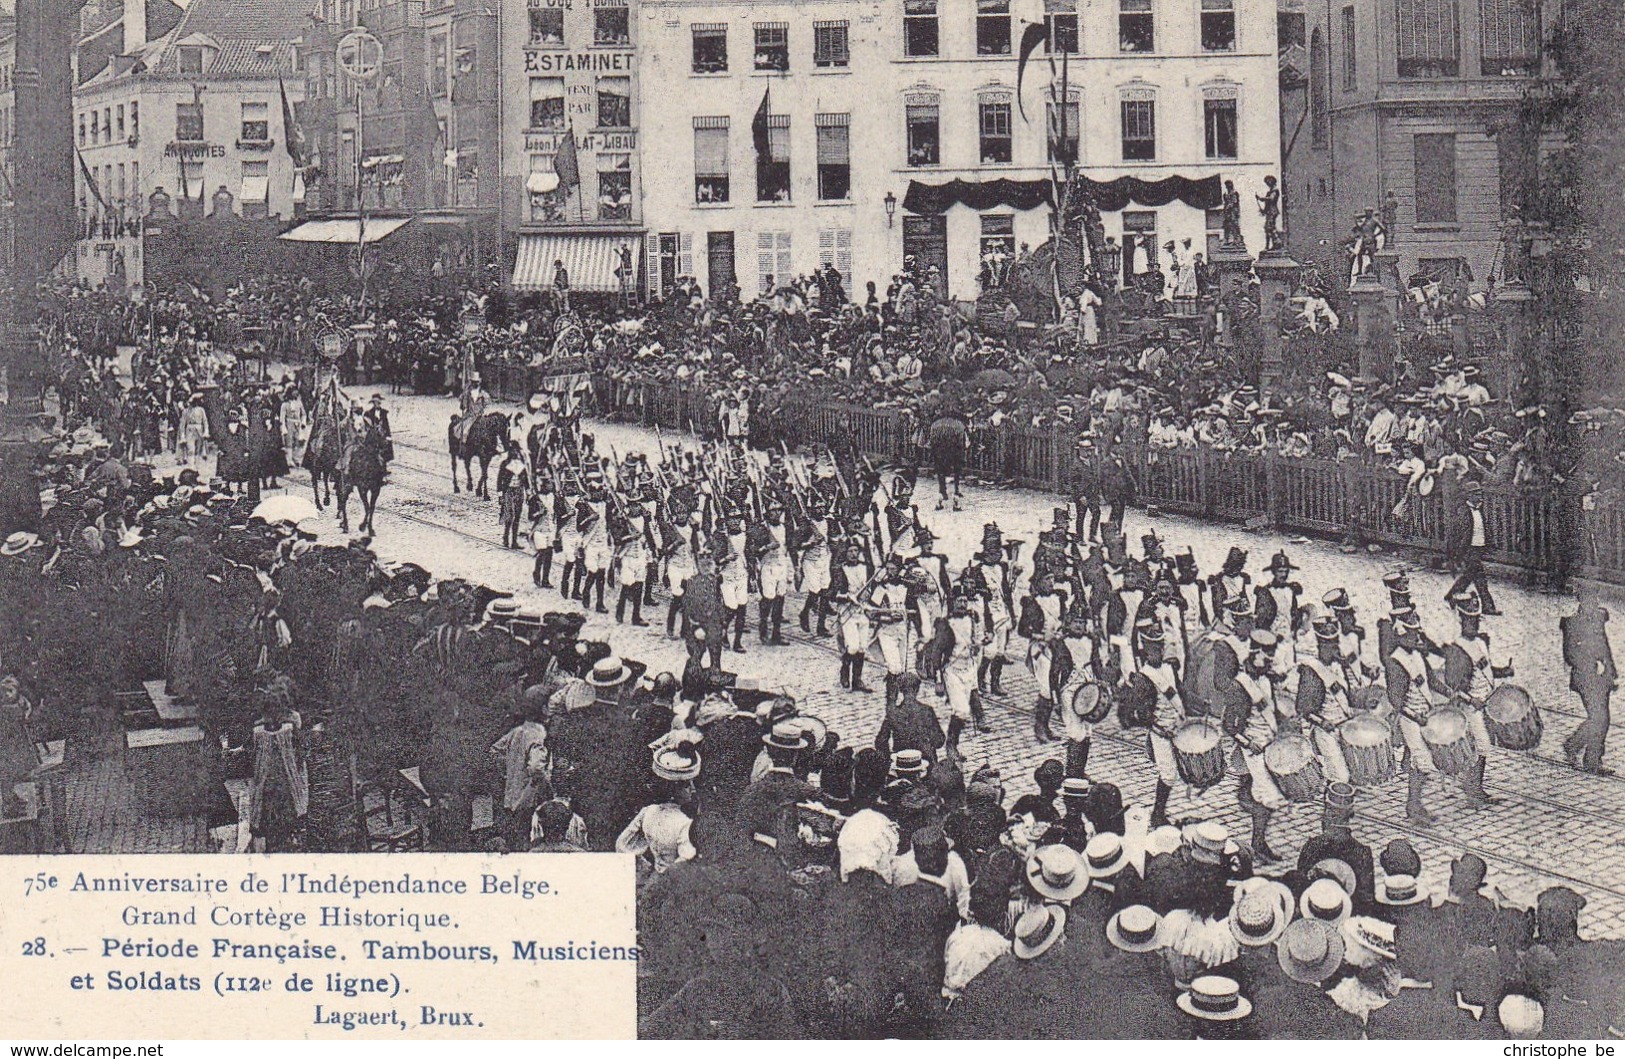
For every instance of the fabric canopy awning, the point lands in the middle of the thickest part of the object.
(590, 258)
(345, 230)
(541, 183)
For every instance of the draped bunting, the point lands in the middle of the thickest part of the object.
(1203, 193)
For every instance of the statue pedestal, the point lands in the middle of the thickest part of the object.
(1373, 327)
(1277, 279)
(1233, 263)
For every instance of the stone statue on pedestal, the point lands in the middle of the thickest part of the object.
(1230, 208)
(1269, 204)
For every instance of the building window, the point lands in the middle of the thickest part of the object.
(81, 129)
(773, 46)
(774, 262)
(1510, 33)
(998, 248)
(992, 27)
(546, 26)
(611, 26)
(547, 103)
(1061, 20)
(107, 124)
(919, 27)
(256, 122)
(1218, 25)
(995, 133)
(438, 81)
(829, 45)
(835, 248)
(254, 191)
(1219, 126)
(135, 119)
(1319, 111)
(773, 168)
(1136, 26)
(120, 113)
(834, 156)
(1435, 178)
(924, 134)
(1428, 44)
(546, 207)
(1139, 242)
(1139, 130)
(189, 59)
(615, 102)
(188, 121)
(192, 180)
(711, 160)
(711, 48)
(96, 126)
(1214, 224)
(614, 187)
(1350, 71)
(1065, 128)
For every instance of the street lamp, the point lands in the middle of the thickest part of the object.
(891, 207)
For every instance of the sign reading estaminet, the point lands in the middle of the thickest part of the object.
(319, 946)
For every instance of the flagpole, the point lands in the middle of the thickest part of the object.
(581, 192)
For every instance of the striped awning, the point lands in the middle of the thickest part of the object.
(344, 230)
(589, 258)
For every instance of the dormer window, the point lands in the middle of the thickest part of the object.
(190, 59)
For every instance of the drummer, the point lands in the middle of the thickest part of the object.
(1072, 665)
(1167, 713)
(1323, 698)
(853, 629)
(1350, 639)
(1411, 693)
(1472, 678)
(1041, 623)
(1250, 718)
(961, 662)
(888, 603)
(1278, 610)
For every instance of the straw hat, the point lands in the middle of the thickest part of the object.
(609, 672)
(1105, 855)
(1325, 900)
(1057, 872)
(1310, 950)
(1137, 928)
(1257, 919)
(1400, 890)
(1215, 998)
(1038, 930)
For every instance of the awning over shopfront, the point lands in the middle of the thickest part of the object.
(344, 230)
(590, 258)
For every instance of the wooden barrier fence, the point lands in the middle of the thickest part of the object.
(1531, 530)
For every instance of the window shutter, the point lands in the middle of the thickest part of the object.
(651, 262)
(765, 259)
(685, 254)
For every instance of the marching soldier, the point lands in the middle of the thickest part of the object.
(852, 625)
(1250, 718)
(574, 574)
(1350, 640)
(888, 603)
(959, 643)
(1073, 666)
(1192, 589)
(1277, 609)
(768, 548)
(992, 576)
(1322, 699)
(1410, 691)
(1166, 713)
(1040, 623)
(897, 516)
(632, 550)
(813, 561)
(596, 551)
(1231, 580)
(1471, 678)
(1167, 608)
(679, 550)
(931, 584)
(544, 531)
(735, 575)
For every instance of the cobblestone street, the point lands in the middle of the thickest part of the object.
(1552, 825)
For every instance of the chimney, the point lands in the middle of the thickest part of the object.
(135, 25)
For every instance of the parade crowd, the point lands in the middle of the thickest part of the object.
(797, 880)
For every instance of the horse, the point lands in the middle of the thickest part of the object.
(486, 438)
(364, 468)
(324, 454)
(949, 441)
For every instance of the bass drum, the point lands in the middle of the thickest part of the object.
(1512, 719)
(1198, 753)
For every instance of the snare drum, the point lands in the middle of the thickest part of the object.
(1290, 758)
(1448, 741)
(1512, 719)
(1198, 754)
(1368, 747)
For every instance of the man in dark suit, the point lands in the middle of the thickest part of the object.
(1592, 675)
(1466, 543)
(909, 724)
(705, 618)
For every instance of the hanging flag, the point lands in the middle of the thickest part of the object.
(758, 128)
(565, 163)
(1035, 34)
(292, 135)
(90, 182)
